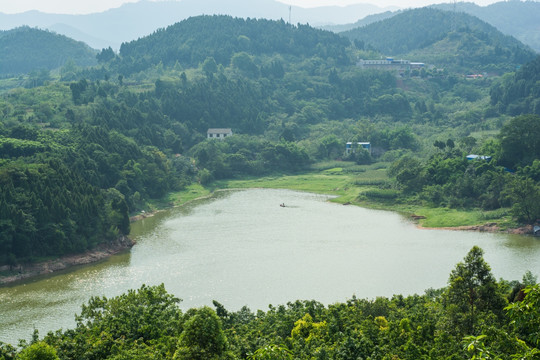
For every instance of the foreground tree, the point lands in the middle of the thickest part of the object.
(131, 323)
(473, 298)
(202, 338)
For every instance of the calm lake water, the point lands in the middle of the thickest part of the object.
(241, 248)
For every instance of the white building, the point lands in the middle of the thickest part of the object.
(390, 64)
(218, 133)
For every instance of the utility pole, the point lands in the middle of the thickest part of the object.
(290, 10)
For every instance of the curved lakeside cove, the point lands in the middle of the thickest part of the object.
(242, 248)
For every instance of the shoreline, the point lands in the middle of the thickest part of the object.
(101, 252)
(490, 227)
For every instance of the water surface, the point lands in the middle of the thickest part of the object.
(241, 248)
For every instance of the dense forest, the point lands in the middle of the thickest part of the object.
(88, 146)
(188, 44)
(474, 317)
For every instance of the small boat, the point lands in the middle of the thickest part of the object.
(282, 205)
(536, 230)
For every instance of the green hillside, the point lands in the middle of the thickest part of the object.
(471, 51)
(26, 49)
(519, 93)
(444, 39)
(191, 41)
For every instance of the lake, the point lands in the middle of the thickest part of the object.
(241, 248)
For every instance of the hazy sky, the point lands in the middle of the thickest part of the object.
(89, 6)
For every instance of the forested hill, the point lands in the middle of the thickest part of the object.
(422, 31)
(193, 40)
(26, 49)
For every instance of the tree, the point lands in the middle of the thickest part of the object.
(209, 66)
(105, 55)
(272, 352)
(525, 315)
(149, 313)
(439, 144)
(202, 338)
(118, 211)
(7, 352)
(329, 147)
(68, 71)
(244, 62)
(38, 351)
(363, 157)
(524, 195)
(408, 173)
(472, 294)
(520, 141)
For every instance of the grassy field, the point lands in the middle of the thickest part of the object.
(366, 186)
(192, 192)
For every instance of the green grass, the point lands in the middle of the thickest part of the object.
(442, 217)
(190, 193)
(313, 182)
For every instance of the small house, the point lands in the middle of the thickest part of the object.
(220, 134)
(478, 157)
(351, 148)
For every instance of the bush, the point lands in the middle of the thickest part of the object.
(384, 194)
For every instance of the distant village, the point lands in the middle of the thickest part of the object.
(390, 64)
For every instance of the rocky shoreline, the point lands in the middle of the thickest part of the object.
(101, 252)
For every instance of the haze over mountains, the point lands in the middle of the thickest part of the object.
(516, 18)
(134, 20)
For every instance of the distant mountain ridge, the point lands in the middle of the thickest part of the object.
(516, 18)
(135, 20)
(26, 49)
(360, 23)
(521, 19)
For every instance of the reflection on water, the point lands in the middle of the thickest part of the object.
(242, 248)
